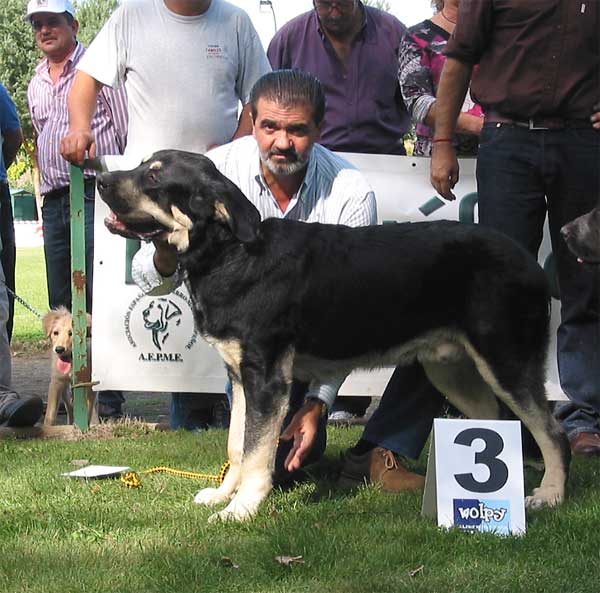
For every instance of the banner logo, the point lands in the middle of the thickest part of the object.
(161, 327)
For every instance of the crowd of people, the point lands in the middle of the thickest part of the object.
(341, 77)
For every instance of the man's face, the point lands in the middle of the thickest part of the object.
(54, 35)
(336, 16)
(285, 136)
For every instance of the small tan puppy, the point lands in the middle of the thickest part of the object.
(58, 325)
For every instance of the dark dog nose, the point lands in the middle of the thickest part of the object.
(59, 349)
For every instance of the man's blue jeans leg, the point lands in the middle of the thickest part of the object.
(9, 250)
(56, 216)
(522, 175)
(404, 418)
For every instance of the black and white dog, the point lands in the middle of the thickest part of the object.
(582, 236)
(282, 299)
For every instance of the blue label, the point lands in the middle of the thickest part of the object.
(472, 514)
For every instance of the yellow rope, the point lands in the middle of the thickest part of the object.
(132, 479)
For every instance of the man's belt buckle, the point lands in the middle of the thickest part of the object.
(532, 125)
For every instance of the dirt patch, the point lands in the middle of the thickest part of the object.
(31, 376)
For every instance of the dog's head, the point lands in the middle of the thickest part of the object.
(58, 325)
(582, 236)
(176, 194)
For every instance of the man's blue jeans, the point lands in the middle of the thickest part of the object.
(9, 250)
(523, 174)
(56, 215)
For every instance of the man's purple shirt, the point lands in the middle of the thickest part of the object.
(364, 111)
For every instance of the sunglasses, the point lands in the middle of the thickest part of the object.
(327, 5)
(51, 23)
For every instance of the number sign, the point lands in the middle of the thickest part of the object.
(475, 476)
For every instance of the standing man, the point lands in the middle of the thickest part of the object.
(353, 50)
(11, 138)
(186, 66)
(55, 29)
(538, 82)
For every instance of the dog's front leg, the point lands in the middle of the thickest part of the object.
(56, 390)
(267, 391)
(235, 444)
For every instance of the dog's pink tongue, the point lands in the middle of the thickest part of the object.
(63, 367)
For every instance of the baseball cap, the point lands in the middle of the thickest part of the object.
(57, 6)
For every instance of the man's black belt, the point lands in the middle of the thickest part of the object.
(89, 185)
(537, 123)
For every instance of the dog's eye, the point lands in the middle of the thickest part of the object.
(70, 333)
(55, 333)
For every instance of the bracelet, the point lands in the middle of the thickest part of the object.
(435, 140)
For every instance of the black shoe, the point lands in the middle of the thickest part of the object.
(18, 412)
(106, 412)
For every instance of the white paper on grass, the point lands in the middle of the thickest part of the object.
(97, 471)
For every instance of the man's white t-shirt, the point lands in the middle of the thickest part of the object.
(184, 76)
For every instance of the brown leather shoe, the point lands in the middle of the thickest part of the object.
(378, 466)
(586, 443)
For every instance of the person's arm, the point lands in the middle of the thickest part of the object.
(12, 140)
(244, 123)
(304, 425)
(303, 430)
(465, 124)
(154, 269)
(82, 107)
(451, 95)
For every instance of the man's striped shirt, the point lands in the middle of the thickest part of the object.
(50, 118)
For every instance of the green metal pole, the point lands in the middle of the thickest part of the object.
(81, 376)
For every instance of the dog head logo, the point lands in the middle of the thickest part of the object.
(158, 315)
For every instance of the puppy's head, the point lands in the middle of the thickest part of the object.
(58, 325)
(173, 194)
(582, 236)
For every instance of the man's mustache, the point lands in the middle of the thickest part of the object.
(291, 154)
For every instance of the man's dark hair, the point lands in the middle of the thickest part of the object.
(290, 88)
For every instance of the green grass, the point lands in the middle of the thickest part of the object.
(59, 534)
(31, 287)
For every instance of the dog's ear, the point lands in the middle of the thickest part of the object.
(239, 214)
(218, 198)
(48, 321)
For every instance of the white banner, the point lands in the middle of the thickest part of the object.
(144, 343)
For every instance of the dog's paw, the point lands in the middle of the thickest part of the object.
(234, 511)
(544, 497)
(211, 497)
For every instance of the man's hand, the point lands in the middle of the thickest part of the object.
(444, 169)
(596, 116)
(303, 429)
(75, 144)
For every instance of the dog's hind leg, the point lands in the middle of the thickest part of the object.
(267, 388)
(463, 386)
(235, 444)
(526, 397)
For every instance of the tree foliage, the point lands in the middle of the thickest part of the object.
(381, 4)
